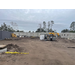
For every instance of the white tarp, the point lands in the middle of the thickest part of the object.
(41, 37)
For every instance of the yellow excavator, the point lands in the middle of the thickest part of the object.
(13, 35)
(57, 34)
(51, 36)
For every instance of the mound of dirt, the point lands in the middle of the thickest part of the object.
(13, 48)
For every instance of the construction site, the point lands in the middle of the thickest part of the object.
(60, 51)
(38, 40)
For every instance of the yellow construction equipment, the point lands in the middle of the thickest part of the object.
(54, 33)
(58, 34)
(50, 36)
(13, 35)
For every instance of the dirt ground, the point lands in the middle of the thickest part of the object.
(59, 52)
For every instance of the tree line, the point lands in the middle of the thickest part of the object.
(72, 28)
(5, 27)
(46, 27)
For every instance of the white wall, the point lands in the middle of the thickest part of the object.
(63, 35)
(68, 35)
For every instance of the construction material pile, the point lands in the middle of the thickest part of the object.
(13, 48)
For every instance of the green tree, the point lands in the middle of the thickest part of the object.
(72, 31)
(44, 25)
(65, 30)
(50, 30)
(72, 26)
(48, 25)
(29, 31)
(18, 31)
(42, 30)
(5, 27)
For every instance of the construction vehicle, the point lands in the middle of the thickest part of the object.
(49, 37)
(13, 35)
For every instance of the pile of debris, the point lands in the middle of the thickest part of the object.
(13, 48)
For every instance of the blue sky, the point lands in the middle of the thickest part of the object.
(29, 19)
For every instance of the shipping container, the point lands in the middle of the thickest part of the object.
(5, 34)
